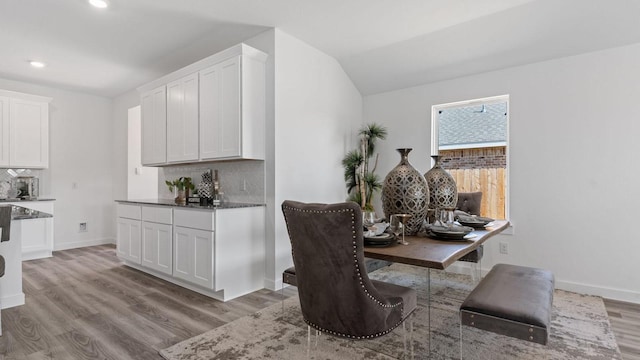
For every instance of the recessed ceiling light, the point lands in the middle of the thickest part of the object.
(99, 3)
(37, 64)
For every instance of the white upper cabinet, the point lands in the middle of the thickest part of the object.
(232, 110)
(4, 131)
(215, 109)
(182, 119)
(24, 130)
(220, 112)
(154, 126)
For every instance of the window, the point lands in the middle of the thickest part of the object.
(472, 139)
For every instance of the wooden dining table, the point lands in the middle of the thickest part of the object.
(434, 253)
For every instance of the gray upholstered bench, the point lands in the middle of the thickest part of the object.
(511, 300)
(289, 275)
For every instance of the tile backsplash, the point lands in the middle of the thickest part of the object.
(240, 181)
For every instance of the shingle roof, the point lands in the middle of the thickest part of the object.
(470, 125)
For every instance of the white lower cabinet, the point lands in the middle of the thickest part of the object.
(193, 256)
(36, 234)
(157, 238)
(218, 253)
(128, 239)
(157, 247)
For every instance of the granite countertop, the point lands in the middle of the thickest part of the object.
(20, 200)
(23, 213)
(171, 202)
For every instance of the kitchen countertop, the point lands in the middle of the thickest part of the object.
(23, 213)
(171, 202)
(20, 200)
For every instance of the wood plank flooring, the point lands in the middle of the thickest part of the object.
(84, 304)
(625, 321)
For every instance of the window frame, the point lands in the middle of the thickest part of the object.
(435, 148)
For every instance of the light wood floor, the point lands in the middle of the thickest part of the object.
(625, 321)
(83, 304)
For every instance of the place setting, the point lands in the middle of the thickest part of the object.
(446, 227)
(382, 234)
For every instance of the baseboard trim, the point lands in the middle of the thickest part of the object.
(12, 300)
(581, 288)
(605, 292)
(78, 244)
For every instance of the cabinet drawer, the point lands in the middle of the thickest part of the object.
(194, 219)
(156, 214)
(129, 211)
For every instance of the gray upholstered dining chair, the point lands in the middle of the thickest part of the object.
(470, 202)
(336, 295)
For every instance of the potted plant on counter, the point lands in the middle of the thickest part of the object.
(182, 185)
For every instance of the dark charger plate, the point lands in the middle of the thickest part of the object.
(382, 240)
(455, 233)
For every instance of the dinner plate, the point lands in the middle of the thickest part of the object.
(384, 239)
(477, 222)
(453, 233)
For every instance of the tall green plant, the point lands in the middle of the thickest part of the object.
(361, 180)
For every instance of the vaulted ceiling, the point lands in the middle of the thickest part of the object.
(382, 45)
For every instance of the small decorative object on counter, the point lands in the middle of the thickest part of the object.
(443, 191)
(27, 186)
(405, 191)
(205, 188)
(181, 184)
(217, 195)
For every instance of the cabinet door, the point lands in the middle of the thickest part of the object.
(193, 256)
(128, 240)
(29, 134)
(157, 247)
(182, 119)
(154, 126)
(4, 131)
(220, 112)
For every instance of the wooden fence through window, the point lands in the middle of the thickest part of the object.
(492, 183)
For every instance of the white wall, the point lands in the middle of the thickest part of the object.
(316, 105)
(573, 142)
(79, 152)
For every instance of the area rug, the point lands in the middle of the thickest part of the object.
(580, 330)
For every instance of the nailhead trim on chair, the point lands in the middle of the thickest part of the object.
(357, 268)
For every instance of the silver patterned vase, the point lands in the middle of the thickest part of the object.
(205, 187)
(443, 191)
(405, 191)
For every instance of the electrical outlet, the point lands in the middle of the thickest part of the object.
(83, 227)
(243, 185)
(504, 248)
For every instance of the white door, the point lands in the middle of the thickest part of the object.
(29, 134)
(142, 182)
(128, 240)
(4, 131)
(157, 247)
(154, 126)
(193, 256)
(182, 119)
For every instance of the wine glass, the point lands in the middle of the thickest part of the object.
(446, 217)
(401, 222)
(396, 227)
